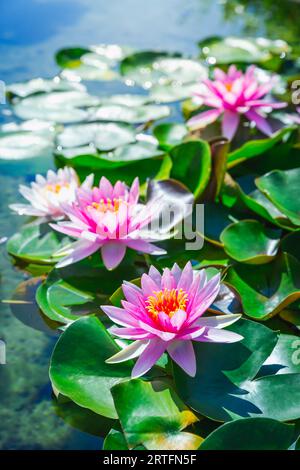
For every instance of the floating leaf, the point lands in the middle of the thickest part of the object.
(155, 418)
(230, 50)
(150, 67)
(282, 188)
(36, 244)
(78, 369)
(251, 434)
(21, 145)
(225, 387)
(169, 134)
(250, 242)
(41, 85)
(104, 136)
(78, 290)
(115, 440)
(192, 165)
(129, 114)
(267, 289)
(253, 148)
(61, 107)
(285, 357)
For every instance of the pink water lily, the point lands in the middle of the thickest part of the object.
(111, 219)
(47, 195)
(166, 314)
(231, 95)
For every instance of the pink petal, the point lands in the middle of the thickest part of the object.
(230, 124)
(145, 247)
(182, 352)
(26, 209)
(204, 118)
(155, 275)
(148, 285)
(178, 319)
(163, 335)
(168, 280)
(149, 357)
(134, 191)
(186, 278)
(106, 188)
(80, 250)
(130, 352)
(261, 123)
(130, 333)
(214, 335)
(219, 321)
(112, 254)
(119, 315)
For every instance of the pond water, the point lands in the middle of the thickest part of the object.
(30, 33)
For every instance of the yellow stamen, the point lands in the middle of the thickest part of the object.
(56, 188)
(228, 86)
(108, 204)
(167, 301)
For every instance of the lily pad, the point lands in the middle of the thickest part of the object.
(251, 434)
(21, 145)
(105, 137)
(282, 188)
(60, 107)
(170, 134)
(267, 289)
(42, 85)
(129, 114)
(151, 67)
(36, 244)
(225, 387)
(250, 242)
(192, 165)
(78, 369)
(232, 49)
(253, 148)
(155, 417)
(78, 290)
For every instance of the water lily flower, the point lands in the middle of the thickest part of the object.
(166, 314)
(111, 219)
(231, 95)
(48, 195)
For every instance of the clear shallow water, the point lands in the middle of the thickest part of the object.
(30, 33)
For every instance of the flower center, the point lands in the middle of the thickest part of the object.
(167, 301)
(56, 188)
(105, 205)
(228, 86)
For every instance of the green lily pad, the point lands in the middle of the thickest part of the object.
(267, 289)
(60, 107)
(41, 85)
(78, 290)
(171, 92)
(36, 244)
(291, 244)
(253, 148)
(92, 63)
(251, 434)
(170, 134)
(250, 242)
(225, 387)
(78, 369)
(233, 196)
(104, 136)
(155, 417)
(22, 145)
(192, 165)
(216, 219)
(142, 158)
(151, 67)
(129, 114)
(285, 357)
(282, 188)
(115, 440)
(232, 49)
